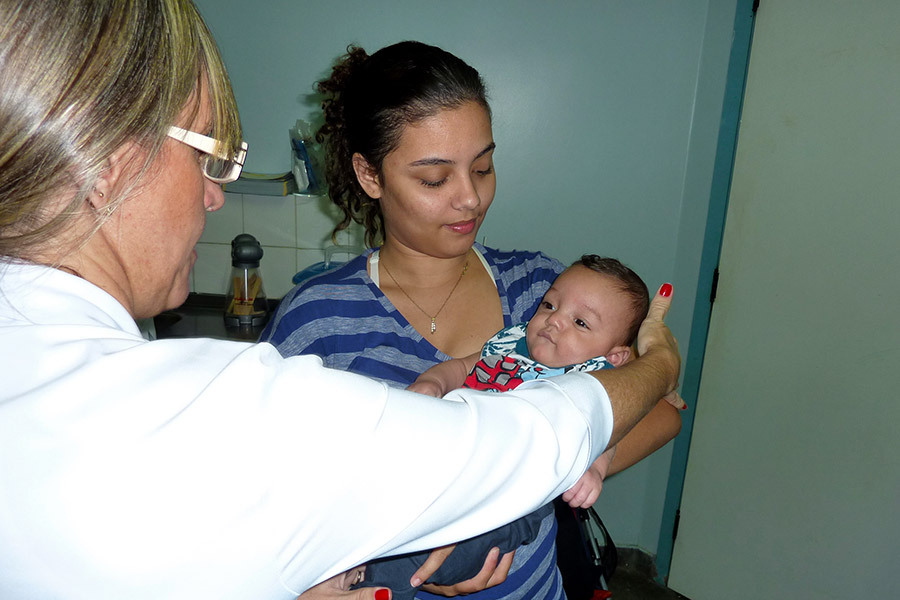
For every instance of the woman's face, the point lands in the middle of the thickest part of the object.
(158, 226)
(438, 184)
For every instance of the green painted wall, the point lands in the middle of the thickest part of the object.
(606, 118)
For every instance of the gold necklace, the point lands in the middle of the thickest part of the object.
(447, 299)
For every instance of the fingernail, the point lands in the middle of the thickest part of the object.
(666, 290)
(383, 594)
(415, 582)
(684, 407)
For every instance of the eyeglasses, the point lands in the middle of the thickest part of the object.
(218, 168)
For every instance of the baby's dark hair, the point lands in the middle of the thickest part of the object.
(630, 283)
(368, 102)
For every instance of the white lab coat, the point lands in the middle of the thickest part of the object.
(199, 468)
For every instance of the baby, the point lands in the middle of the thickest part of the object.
(587, 320)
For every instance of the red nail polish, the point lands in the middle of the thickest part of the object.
(666, 290)
(383, 594)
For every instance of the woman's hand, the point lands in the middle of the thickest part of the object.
(338, 588)
(675, 400)
(493, 573)
(654, 336)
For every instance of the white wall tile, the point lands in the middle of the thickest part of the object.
(212, 269)
(292, 230)
(306, 258)
(316, 217)
(225, 223)
(278, 266)
(271, 219)
(354, 236)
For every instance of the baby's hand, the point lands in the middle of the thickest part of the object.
(584, 493)
(428, 387)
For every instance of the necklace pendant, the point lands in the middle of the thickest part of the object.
(433, 326)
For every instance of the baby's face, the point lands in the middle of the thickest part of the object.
(584, 314)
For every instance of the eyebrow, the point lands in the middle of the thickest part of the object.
(587, 308)
(594, 314)
(424, 162)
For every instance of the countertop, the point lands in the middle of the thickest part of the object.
(202, 315)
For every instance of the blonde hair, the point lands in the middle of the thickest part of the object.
(80, 78)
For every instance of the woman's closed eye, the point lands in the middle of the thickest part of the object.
(429, 183)
(433, 184)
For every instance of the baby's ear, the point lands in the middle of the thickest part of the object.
(618, 355)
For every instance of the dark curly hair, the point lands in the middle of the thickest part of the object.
(368, 102)
(630, 283)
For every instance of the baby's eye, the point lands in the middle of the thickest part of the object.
(546, 305)
(581, 323)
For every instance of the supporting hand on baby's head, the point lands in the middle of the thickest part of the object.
(675, 400)
(655, 337)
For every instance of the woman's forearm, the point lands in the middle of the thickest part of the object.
(635, 388)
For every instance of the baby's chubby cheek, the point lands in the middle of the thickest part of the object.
(541, 350)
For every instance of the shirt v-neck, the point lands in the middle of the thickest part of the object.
(372, 272)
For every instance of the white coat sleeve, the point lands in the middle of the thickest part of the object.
(201, 468)
(385, 471)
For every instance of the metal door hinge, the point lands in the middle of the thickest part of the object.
(715, 286)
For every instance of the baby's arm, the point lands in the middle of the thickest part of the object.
(584, 493)
(445, 376)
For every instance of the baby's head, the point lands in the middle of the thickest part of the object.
(594, 308)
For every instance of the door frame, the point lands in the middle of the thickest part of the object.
(712, 244)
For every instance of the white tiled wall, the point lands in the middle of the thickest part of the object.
(293, 231)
